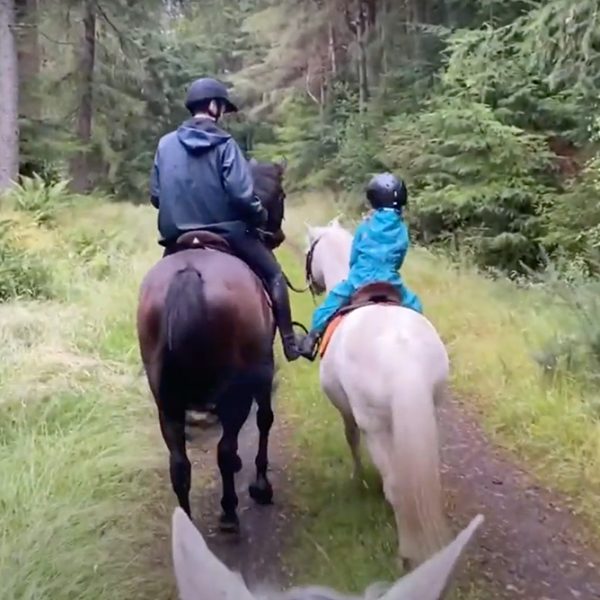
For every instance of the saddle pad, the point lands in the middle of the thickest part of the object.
(329, 331)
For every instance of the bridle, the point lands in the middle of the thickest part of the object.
(311, 284)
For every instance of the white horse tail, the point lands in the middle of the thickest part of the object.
(418, 501)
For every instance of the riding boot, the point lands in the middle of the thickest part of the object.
(283, 317)
(308, 344)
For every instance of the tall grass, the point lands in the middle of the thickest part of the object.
(83, 500)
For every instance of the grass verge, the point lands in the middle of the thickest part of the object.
(83, 496)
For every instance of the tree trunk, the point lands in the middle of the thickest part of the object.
(80, 168)
(332, 51)
(9, 97)
(357, 21)
(419, 11)
(382, 21)
(361, 38)
(29, 58)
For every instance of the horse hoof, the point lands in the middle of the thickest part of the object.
(229, 524)
(261, 493)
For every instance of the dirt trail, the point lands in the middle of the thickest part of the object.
(257, 552)
(530, 545)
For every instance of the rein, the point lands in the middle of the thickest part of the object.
(293, 287)
(310, 282)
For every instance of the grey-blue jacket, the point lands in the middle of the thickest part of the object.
(201, 180)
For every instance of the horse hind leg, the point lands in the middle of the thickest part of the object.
(261, 490)
(169, 392)
(233, 409)
(353, 438)
(172, 426)
(379, 444)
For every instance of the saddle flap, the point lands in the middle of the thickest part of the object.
(378, 292)
(200, 239)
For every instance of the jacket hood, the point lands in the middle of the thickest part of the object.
(199, 135)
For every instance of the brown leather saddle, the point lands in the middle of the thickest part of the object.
(201, 240)
(378, 292)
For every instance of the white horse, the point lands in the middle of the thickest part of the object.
(385, 369)
(200, 575)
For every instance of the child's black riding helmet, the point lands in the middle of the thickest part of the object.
(387, 191)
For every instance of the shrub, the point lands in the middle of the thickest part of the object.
(40, 199)
(575, 346)
(22, 273)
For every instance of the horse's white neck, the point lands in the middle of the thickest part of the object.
(334, 273)
(334, 257)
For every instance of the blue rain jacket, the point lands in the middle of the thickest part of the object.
(378, 251)
(201, 180)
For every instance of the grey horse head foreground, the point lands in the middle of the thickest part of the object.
(201, 575)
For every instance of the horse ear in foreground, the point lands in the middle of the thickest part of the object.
(201, 575)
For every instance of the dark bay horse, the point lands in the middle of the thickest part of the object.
(206, 334)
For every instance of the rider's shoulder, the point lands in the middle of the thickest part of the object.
(167, 138)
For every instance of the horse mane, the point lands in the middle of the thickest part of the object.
(267, 180)
(337, 235)
(268, 186)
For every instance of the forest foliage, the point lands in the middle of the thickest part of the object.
(488, 108)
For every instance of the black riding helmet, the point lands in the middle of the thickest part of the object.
(207, 89)
(387, 191)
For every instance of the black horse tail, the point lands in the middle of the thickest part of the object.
(185, 320)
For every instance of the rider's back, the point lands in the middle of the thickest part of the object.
(193, 192)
